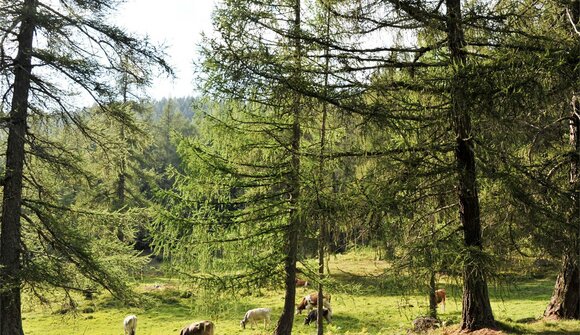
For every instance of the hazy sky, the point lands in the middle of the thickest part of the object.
(178, 25)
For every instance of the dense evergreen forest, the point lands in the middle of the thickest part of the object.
(442, 134)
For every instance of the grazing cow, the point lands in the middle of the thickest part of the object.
(198, 328)
(313, 315)
(440, 297)
(255, 315)
(130, 324)
(301, 283)
(311, 300)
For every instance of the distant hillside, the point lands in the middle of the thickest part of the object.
(184, 105)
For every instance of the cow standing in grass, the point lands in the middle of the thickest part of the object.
(301, 283)
(254, 315)
(198, 328)
(130, 324)
(310, 301)
(313, 316)
(440, 297)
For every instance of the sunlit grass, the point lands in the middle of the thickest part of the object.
(372, 307)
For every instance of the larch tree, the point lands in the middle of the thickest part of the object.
(295, 224)
(321, 185)
(420, 77)
(51, 51)
(253, 178)
(476, 311)
(565, 300)
(255, 59)
(533, 150)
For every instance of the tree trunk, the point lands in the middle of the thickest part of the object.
(432, 253)
(285, 323)
(476, 312)
(565, 299)
(10, 232)
(432, 298)
(284, 326)
(119, 201)
(320, 303)
(322, 188)
(121, 176)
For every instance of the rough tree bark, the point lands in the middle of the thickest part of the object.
(565, 298)
(432, 298)
(10, 233)
(285, 323)
(565, 301)
(476, 312)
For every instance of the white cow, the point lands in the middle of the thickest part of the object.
(255, 315)
(130, 324)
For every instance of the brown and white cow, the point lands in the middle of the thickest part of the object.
(301, 283)
(198, 328)
(310, 301)
(440, 297)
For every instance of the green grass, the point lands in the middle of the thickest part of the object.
(371, 304)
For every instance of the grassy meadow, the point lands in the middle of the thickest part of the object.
(372, 306)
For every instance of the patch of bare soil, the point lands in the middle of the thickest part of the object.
(484, 331)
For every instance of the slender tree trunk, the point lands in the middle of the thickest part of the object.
(476, 312)
(10, 232)
(286, 320)
(119, 201)
(320, 303)
(431, 252)
(121, 178)
(122, 175)
(432, 298)
(321, 179)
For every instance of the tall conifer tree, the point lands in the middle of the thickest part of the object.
(61, 38)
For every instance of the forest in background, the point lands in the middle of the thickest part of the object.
(442, 133)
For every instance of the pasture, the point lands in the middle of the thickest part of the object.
(373, 306)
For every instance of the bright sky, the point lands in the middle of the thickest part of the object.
(177, 24)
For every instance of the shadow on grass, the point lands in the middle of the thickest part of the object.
(376, 285)
(521, 329)
(387, 285)
(401, 286)
(341, 324)
(523, 289)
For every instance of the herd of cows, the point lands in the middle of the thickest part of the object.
(253, 316)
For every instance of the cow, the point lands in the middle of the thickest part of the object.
(313, 315)
(301, 283)
(130, 324)
(310, 301)
(255, 315)
(198, 328)
(440, 297)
